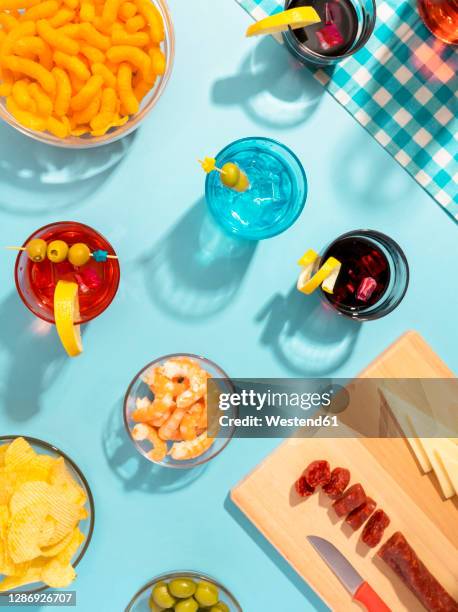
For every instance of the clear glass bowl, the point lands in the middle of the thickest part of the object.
(139, 602)
(86, 526)
(148, 102)
(138, 389)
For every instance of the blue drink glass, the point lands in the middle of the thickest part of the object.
(275, 198)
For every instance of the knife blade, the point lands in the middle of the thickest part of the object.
(355, 584)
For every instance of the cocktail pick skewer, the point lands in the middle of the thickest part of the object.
(231, 175)
(16, 248)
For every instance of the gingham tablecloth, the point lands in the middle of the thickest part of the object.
(402, 87)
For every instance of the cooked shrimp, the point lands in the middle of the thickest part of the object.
(181, 451)
(172, 424)
(190, 422)
(161, 385)
(147, 410)
(197, 389)
(142, 432)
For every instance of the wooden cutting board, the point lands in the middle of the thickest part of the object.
(388, 471)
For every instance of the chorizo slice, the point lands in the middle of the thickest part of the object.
(340, 477)
(359, 515)
(351, 499)
(374, 528)
(317, 473)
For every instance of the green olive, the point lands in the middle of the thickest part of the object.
(230, 174)
(57, 251)
(161, 596)
(36, 249)
(187, 605)
(155, 608)
(206, 594)
(79, 254)
(220, 607)
(182, 588)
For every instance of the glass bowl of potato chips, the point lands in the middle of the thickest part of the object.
(85, 77)
(46, 516)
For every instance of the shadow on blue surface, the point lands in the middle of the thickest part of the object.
(134, 470)
(272, 87)
(273, 555)
(196, 269)
(35, 357)
(368, 180)
(305, 335)
(36, 178)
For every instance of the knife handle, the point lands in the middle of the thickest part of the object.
(366, 595)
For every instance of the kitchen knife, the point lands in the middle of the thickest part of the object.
(355, 584)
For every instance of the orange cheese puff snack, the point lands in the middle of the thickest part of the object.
(21, 96)
(29, 46)
(19, 31)
(41, 11)
(86, 114)
(110, 11)
(158, 61)
(7, 21)
(72, 64)
(91, 89)
(63, 92)
(32, 69)
(133, 24)
(12, 5)
(56, 39)
(58, 127)
(71, 3)
(137, 39)
(108, 77)
(129, 103)
(87, 11)
(153, 19)
(132, 55)
(94, 55)
(127, 10)
(64, 15)
(94, 38)
(141, 88)
(42, 100)
(27, 119)
(76, 83)
(7, 83)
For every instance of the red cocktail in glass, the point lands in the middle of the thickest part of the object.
(97, 281)
(441, 18)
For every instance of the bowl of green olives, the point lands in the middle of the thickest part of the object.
(183, 591)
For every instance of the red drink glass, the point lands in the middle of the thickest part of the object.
(441, 18)
(97, 281)
(374, 276)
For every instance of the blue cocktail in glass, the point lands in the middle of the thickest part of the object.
(276, 194)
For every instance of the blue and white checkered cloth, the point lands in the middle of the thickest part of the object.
(402, 87)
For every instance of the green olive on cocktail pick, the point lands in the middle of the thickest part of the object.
(79, 254)
(57, 251)
(36, 249)
(230, 174)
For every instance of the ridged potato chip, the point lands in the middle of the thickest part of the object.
(56, 575)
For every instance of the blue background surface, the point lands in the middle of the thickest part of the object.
(184, 290)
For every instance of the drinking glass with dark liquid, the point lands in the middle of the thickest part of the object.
(345, 27)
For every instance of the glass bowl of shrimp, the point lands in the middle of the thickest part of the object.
(165, 411)
(52, 125)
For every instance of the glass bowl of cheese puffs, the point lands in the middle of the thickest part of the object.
(82, 73)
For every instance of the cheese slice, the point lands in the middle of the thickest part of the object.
(430, 446)
(447, 455)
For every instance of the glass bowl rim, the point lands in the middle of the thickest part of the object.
(131, 125)
(313, 56)
(45, 227)
(302, 172)
(125, 415)
(387, 238)
(90, 498)
(183, 573)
